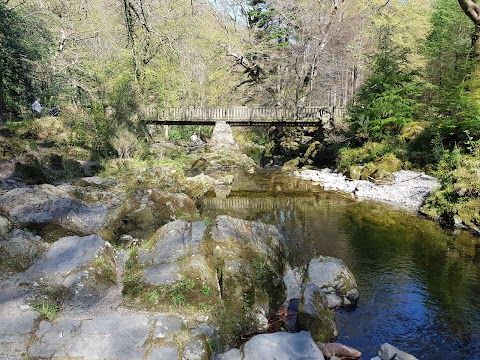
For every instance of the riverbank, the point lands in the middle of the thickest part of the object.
(409, 189)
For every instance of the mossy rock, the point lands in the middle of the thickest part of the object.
(368, 171)
(292, 164)
(389, 163)
(354, 172)
(321, 326)
(469, 213)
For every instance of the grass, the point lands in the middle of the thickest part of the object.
(49, 309)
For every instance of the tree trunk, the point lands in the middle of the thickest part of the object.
(3, 106)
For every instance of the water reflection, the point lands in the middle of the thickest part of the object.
(418, 283)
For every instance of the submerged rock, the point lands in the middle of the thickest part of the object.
(389, 352)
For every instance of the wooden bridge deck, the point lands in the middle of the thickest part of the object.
(242, 115)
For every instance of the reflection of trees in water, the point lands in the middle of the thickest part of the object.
(309, 223)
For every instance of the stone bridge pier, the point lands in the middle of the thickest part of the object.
(222, 138)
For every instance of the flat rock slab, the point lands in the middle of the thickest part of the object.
(118, 337)
(175, 240)
(277, 346)
(15, 330)
(66, 258)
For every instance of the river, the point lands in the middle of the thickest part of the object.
(419, 284)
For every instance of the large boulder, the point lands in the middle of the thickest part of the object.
(315, 315)
(63, 206)
(333, 277)
(276, 346)
(173, 245)
(145, 211)
(313, 311)
(248, 259)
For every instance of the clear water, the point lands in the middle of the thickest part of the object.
(419, 284)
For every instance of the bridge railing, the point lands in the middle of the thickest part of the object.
(241, 113)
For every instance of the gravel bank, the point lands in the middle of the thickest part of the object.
(408, 191)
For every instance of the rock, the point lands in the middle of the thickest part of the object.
(331, 350)
(315, 315)
(19, 250)
(281, 346)
(164, 353)
(293, 280)
(264, 238)
(144, 212)
(46, 204)
(83, 265)
(30, 173)
(335, 280)
(248, 256)
(5, 226)
(173, 241)
(389, 352)
(15, 329)
(104, 337)
(232, 354)
(197, 349)
(162, 274)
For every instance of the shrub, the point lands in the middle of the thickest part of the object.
(127, 144)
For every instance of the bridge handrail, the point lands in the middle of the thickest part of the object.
(241, 113)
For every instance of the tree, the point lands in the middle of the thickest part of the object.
(388, 99)
(472, 10)
(24, 43)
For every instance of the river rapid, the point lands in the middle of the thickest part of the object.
(419, 284)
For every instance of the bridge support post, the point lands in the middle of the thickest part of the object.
(222, 137)
(165, 132)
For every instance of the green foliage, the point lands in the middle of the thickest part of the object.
(183, 133)
(127, 143)
(47, 308)
(269, 23)
(388, 99)
(448, 48)
(25, 41)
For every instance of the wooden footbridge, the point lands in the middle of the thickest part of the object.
(242, 115)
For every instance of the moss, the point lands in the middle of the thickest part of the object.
(469, 212)
(321, 326)
(368, 171)
(354, 172)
